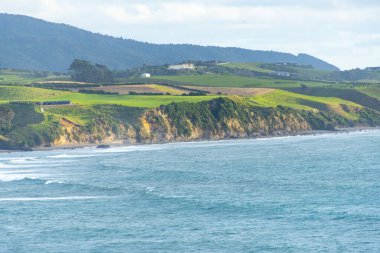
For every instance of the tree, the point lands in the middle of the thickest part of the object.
(84, 71)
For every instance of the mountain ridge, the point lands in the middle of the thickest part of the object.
(31, 43)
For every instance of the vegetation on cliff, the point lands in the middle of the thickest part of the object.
(25, 125)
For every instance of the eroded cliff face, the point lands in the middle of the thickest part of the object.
(212, 120)
(220, 118)
(158, 125)
(98, 132)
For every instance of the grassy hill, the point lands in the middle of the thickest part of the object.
(249, 66)
(342, 107)
(20, 93)
(17, 93)
(15, 76)
(308, 72)
(215, 80)
(270, 99)
(366, 96)
(371, 91)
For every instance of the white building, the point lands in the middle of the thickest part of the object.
(182, 66)
(285, 74)
(145, 75)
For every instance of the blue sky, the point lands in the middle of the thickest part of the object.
(343, 32)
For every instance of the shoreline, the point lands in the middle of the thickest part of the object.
(121, 144)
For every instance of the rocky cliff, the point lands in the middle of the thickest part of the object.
(220, 118)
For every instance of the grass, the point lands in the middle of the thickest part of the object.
(214, 80)
(78, 114)
(128, 100)
(13, 76)
(17, 93)
(304, 102)
(371, 91)
(16, 79)
(81, 113)
(305, 72)
(12, 93)
(84, 114)
(365, 96)
(253, 66)
(166, 89)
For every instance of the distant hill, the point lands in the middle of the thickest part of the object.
(30, 43)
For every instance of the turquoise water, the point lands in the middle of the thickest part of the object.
(291, 194)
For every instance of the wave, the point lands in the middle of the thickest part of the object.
(22, 160)
(27, 199)
(6, 166)
(9, 177)
(68, 156)
(53, 182)
(21, 165)
(131, 149)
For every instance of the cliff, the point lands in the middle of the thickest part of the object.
(220, 118)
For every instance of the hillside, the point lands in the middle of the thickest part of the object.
(26, 122)
(23, 126)
(29, 43)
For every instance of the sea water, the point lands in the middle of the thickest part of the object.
(292, 194)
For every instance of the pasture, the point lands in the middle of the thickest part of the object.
(214, 80)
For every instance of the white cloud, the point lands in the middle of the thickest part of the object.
(343, 32)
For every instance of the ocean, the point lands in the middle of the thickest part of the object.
(289, 194)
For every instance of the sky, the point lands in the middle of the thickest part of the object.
(345, 33)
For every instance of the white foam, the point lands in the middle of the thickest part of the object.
(6, 166)
(68, 156)
(9, 177)
(17, 171)
(22, 160)
(53, 182)
(130, 149)
(15, 167)
(49, 198)
(150, 188)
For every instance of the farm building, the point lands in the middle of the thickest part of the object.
(145, 75)
(182, 66)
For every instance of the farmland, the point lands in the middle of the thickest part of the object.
(11, 76)
(140, 88)
(214, 80)
(248, 65)
(304, 102)
(101, 112)
(8, 93)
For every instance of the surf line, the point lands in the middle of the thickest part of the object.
(51, 198)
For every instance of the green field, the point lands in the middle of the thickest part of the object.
(12, 76)
(78, 114)
(248, 65)
(305, 72)
(304, 102)
(371, 91)
(8, 93)
(20, 93)
(81, 114)
(128, 100)
(214, 80)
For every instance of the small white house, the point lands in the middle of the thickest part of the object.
(182, 66)
(145, 75)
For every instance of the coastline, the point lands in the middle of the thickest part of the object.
(121, 144)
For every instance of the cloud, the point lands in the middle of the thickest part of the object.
(344, 32)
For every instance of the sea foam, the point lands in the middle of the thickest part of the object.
(27, 199)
